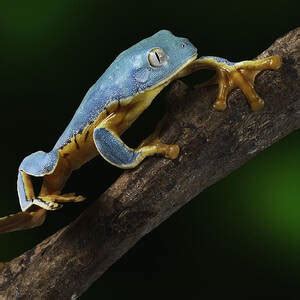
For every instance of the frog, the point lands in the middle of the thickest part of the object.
(125, 90)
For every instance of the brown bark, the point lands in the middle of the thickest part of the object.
(213, 144)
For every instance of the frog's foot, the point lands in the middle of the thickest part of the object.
(47, 205)
(53, 202)
(239, 75)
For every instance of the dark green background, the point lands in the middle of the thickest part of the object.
(240, 237)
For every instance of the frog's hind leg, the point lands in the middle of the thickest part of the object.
(23, 220)
(53, 184)
(237, 75)
(55, 173)
(38, 164)
(33, 212)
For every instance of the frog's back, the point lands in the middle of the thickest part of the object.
(115, 84)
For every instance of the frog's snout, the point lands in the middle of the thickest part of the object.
(185, 43)
(187, 46)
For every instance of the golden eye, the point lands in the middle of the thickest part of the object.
(157, 57)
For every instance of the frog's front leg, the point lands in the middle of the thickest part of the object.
(236, 75)
(114, 150)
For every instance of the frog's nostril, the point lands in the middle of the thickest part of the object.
(184, 42)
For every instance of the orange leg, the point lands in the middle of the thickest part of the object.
(114, 150)
(236, 75)
(23, 220)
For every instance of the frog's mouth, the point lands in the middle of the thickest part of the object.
(186, 69)
(153, 91)
(182, 71)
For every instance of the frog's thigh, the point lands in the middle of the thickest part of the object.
(37, 164)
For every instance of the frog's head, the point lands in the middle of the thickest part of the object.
(160, 57)
(157, 59)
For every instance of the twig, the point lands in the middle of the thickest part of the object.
(213, 144)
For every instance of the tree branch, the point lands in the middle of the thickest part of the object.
(213, 144)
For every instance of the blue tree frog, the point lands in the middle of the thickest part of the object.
(111, 105)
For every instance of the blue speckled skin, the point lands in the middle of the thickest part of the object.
(129, 75)
(44, 163)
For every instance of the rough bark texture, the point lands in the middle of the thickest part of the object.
(213, 144)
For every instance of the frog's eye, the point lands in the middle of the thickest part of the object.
(157, 57)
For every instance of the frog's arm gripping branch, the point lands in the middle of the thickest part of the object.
(230, 75)
(212, 145)
(115, 151)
